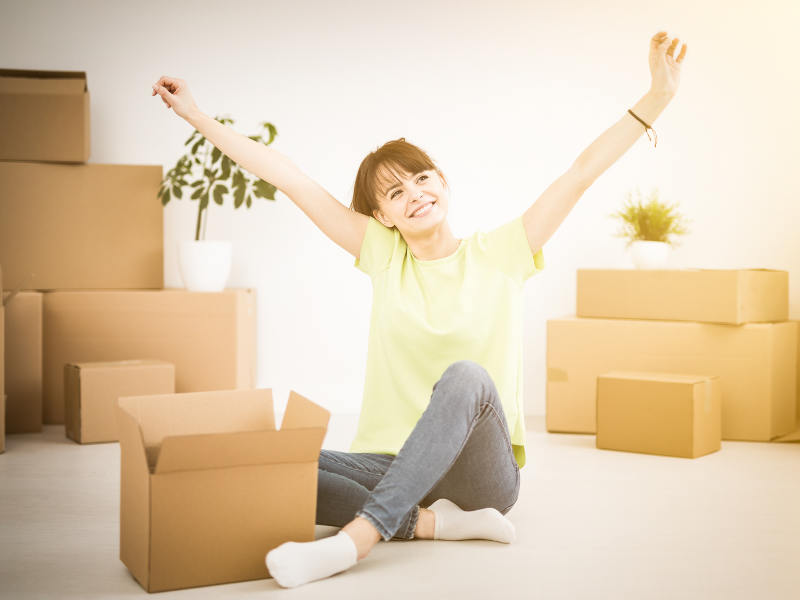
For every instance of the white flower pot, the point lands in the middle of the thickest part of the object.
(649, 255)
(205, 266)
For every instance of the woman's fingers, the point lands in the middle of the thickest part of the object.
(679, 60)
(657, 38)
(672, 46)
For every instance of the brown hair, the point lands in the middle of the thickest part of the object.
(381, 168)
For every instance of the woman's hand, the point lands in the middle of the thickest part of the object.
(175, 94)
(664, 67)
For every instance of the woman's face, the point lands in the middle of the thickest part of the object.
(414, 204)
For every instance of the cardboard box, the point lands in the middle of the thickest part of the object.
(3, 426)
(735, 297)
(23, 362)
(209, 337)
(659, 413)
(209, 486)
(91, 392)
(2, 363)
(756, 363)
(44, 116)
(81, 226)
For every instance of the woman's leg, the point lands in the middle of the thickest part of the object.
(344, 483)
(460, 449)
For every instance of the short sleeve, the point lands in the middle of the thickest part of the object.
(507, 248)
(376, 249)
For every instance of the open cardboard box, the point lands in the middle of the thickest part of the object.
(209, 486)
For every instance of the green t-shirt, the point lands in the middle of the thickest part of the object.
(428, 314)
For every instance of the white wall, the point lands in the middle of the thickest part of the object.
(504, 94)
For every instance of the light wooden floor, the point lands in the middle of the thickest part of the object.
(590, 524)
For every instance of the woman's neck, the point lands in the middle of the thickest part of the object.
(440, 243)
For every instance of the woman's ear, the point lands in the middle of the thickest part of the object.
(443, 180)
(382, 219)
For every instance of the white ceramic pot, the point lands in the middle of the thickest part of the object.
(649, 255)
(205, 266)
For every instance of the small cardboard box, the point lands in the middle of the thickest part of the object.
(659, 413)
(91, 392)
(734, 297)
(81, 226)
(44, 116)
(756, 362)
(209, 337)
(23, 361)
(209, 486)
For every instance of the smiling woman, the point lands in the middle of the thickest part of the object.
(441, 434)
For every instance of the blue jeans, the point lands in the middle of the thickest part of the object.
(460, 449)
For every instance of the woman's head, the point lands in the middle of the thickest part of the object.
(397, 180)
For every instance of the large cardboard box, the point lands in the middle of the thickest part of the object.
(209, 337)
(44, 116)
(2, 361)
(3, 424)
(23, 361)
(81, 226)
(659, 413)
(209, 486)
(735, 297)
(755, 362)
(91, 392)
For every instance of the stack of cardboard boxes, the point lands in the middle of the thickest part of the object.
(208, 486)
(730, 325)
(91, 237)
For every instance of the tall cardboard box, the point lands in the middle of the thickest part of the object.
(92, 390)
(2, 362)
(734, 297)
(209, 337)
(208, 486)
(44, 116)
(81, 226)
(23, 362)
(756, 364)
(659, 413)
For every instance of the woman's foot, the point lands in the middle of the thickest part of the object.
(293, 564)
(452, 523)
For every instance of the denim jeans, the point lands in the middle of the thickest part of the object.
(460, 449)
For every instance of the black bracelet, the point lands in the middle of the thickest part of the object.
(646, 127)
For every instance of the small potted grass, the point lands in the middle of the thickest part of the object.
(651, 228)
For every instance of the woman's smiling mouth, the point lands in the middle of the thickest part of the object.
(421, 212)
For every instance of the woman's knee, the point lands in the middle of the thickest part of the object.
(469, 373)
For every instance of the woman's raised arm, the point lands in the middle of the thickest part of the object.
(344, 226)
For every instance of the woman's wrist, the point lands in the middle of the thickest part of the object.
(195, 117)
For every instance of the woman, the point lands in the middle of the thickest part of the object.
(441, 434)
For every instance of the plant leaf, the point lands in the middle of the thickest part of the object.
(197, 144)
(198, 182)
(197, 193)
(191, 138)
(204, 201)
(263, 189)
(177, 192)
(215, 155)
(272, 132)
(238, 196)
(249, 201)
(165, 198)
(219, 191)
(226, 168)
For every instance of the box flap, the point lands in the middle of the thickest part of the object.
(302, 412)
(243, 448)
(119, 363)
(131, 440)
(166, 415)
(26, 81)
(665, 377)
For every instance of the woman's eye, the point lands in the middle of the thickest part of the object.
(422, 178)
(394, 194)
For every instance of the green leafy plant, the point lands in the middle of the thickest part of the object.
(211, 174)
(650, 220)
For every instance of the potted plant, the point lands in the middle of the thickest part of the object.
(650, 227)
(205, 265)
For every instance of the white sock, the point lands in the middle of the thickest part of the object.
(452, 523)
(292, 564)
